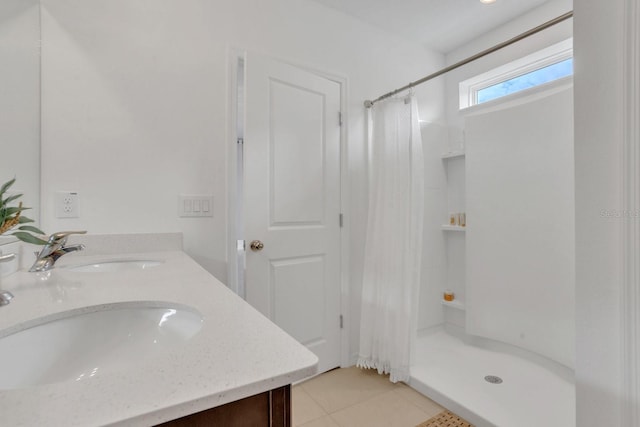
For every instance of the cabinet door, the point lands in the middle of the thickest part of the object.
(268, 409)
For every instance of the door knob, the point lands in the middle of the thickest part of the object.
(256, 245)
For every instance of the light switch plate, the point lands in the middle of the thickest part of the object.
(195, 205)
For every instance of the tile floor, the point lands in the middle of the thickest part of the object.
(353, 397)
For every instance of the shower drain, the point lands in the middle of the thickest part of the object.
(493, 379)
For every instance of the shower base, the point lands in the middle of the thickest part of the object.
(452, 372)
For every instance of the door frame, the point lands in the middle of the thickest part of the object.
(234, 56)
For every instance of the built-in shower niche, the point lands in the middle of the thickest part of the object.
(443, 265)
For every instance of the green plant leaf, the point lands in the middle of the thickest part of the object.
(31, 229)
(14, 210)
(11, 199)
(29, 238)
(9, 212)
(6, 186)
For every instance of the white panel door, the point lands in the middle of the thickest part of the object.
(292, 202)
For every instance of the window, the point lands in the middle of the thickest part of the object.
(534, 78)
(545, 66)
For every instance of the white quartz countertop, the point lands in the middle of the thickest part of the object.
(236, 354)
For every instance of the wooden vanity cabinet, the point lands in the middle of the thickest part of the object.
(269, 409)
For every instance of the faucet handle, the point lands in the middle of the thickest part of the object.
(61, 236)
(7, 258)
(5, 297)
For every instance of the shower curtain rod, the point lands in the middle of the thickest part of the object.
(557, 20)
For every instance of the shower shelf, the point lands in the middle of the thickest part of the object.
(447, 227)
(452, 154)
(453, 304)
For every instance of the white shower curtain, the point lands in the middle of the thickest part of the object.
(393, 250)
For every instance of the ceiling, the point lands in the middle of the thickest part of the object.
(443, 25)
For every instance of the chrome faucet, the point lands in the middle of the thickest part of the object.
(5, 296)
(53, 250)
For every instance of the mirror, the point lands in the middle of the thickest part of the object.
(135, 110)
(20, 99)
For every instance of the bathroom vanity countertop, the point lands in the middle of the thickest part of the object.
(237, 353)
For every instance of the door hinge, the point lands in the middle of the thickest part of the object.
(240, 141)
(341, 322)
(341, 220)
(340, 118)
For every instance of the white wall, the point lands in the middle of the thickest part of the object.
(520, 239)
(135, 98)
(598, 51)
(20, 99)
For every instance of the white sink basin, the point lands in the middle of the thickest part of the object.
(82, 344)
(114, 266)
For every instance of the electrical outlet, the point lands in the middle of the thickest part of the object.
(66, 204)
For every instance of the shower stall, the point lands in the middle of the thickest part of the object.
(502, 351)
